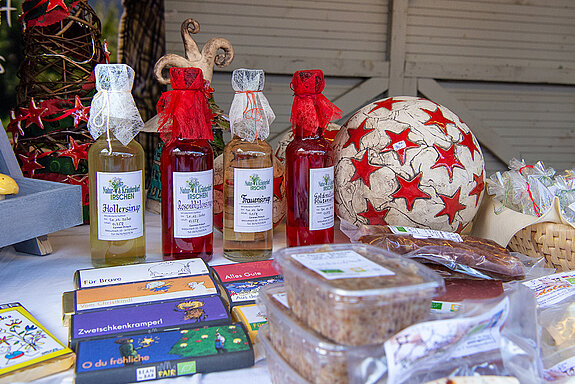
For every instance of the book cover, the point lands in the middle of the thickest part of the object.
(28, 351)
(97, 277)
(251, 317)
(187, 311)
(162, 355)
(143, 292)
(245, 292)
(228, 273)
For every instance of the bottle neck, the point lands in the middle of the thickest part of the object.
(301, 131)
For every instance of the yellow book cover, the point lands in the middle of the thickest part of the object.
(27, 350)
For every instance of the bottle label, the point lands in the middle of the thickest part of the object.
(321, 195)
(193, 203)
(120, 208)
(253, 199)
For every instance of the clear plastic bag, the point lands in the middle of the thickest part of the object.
(494, 337)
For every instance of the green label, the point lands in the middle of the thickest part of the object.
(186, 368)
(436, 305)
(256, 326)
(571, 280)
(332, 271)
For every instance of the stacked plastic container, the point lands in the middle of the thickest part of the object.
(337, 298)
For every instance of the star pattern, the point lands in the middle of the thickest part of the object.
(436, 118)
(76, 152)
(447, 159)
(373, 216)
(387, 104)
(80, 112)
(355, 134)
(409, 190)
(363, 169)
(479, 185)
(33, 114)
(29, 163)
(278, 181)
(399, 143)
(469, 143)
(452, 205)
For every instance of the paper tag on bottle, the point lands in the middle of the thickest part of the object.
(422, 233)
(193, 200)
(120, 208)
(253, 199)
(341, 265)
(424, 345)
(321, 195)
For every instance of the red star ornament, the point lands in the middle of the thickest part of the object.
(387, 104)
(409, 190)
(447, 159)
(76, 152)
(80, 113)
(355, 135)
(479, 185)
(363, 169)
(399, 143)
(469, 143)
(52, 4)
(452, 205)
(373, 216)
(277, 186)
(33, 114)
(436, 118)
(29, 164)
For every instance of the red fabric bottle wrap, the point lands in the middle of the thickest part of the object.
(184, 112)
(311, 109)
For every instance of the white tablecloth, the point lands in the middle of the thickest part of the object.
(38, 283)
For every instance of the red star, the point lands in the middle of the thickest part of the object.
(14, 124)
(355, 135)
(277, 186)
(468, 142)
(33, 115)
(52, 4)
(436, 118)
(80, 113)
(83, 182)
(409, 190)
(373, 216)
(479, 185)
(452, 205)
(76, 152)
(447, 159)
(29, 164)
(461, 227)
(387, 104)
(363, 169)
(399, 143)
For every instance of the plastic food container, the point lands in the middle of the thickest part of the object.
(280, 370)
(316, 358)
(356, 294)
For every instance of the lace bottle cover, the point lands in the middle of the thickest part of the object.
(250, 113)
(113, 107)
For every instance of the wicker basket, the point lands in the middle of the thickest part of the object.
(556, 242)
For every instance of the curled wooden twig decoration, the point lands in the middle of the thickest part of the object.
(204, 60)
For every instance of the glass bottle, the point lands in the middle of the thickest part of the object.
(186, 165)
(116, 171)
(248, 172)
(310, 164)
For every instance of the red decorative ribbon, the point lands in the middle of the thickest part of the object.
(535, 206)
(252, 112)
(311, 109)
(184, 112)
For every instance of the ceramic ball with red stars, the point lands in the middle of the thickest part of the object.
(408, 161)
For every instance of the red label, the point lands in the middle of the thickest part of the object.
(245, 271)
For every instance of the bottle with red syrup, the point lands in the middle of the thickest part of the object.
(186, 166)
(310, 164)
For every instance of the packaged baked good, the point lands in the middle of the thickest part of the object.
(280, 370)
(314, 357)
(356, 294)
